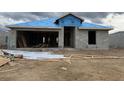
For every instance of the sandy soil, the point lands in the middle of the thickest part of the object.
(79, 69)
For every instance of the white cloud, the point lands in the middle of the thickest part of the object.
(87, 20)
(115, 20)
(7, 21)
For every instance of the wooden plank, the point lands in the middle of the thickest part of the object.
(3, 61)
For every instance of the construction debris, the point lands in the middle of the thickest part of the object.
(3, 61)
(18, 56)
(12, 63)
(11, 56)
(64, 68)
(41, 46)
(6, 53)
(34, 55)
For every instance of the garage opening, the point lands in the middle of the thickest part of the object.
(69, 36)
(92, 37)
(37, 39)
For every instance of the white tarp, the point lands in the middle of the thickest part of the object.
(35, 55)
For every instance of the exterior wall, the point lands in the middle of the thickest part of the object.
(3, 39)
(12, 39)
(102, 40)
(81, 40)
(116, 40)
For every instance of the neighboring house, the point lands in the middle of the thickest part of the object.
(68, 31)
(116, 40)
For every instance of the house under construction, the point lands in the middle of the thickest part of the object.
(68, 31)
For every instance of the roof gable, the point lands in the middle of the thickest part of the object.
(69, 20)
(56, 21)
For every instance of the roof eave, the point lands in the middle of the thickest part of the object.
(95, 28)
(14, 27)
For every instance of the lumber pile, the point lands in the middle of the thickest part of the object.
(3, 61)
(11, 56)
(6, 57)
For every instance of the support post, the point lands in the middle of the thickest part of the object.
(61, 38)
(12, 39)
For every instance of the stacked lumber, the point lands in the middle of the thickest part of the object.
(11, 56)
(3, 61)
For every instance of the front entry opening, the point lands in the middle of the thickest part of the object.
(69, 36)
(37, 39)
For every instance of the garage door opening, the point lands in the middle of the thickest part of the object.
(37, 39)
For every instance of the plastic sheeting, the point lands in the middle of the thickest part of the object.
(35, 55)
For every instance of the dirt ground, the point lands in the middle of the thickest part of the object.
(79, 69)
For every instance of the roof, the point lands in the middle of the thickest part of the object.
(39, 23)
(50, 23)
(86, 25)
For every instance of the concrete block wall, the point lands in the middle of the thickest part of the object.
(102, 39)
(12, 39)
(116, 40)
(81, 40)
(3, 37)
(61, 38)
